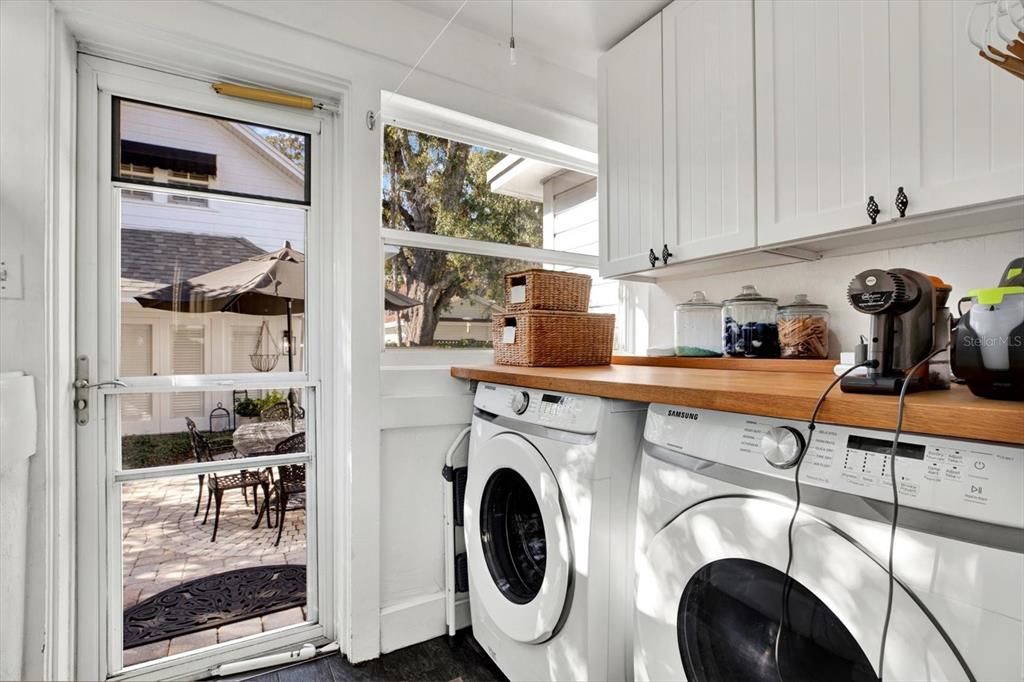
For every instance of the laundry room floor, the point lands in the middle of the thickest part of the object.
(439, 659)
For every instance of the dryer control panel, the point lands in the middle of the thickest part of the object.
(562, 411)
(969, 479)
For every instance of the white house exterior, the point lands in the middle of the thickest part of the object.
(168, 237)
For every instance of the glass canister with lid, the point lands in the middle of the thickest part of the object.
(803, 329)
(697, 325)
(749, 327)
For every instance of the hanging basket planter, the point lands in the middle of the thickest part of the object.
(261, 360)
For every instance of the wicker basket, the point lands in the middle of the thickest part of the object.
(542, 338)
(547, 290)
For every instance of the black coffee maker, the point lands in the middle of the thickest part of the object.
(908, 322)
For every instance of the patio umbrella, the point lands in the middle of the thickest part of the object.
(396, 303)
(269, 284)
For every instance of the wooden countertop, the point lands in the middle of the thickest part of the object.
(791, 395)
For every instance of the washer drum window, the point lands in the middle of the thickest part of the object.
(512, 535)
(728, 619)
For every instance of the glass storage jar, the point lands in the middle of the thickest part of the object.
(803, 329)
(749, 326)
(697, 324)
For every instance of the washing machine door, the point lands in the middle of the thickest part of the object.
(517, 540)
(710, 598)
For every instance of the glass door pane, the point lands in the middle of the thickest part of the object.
(214, 533)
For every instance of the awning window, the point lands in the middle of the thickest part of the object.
(170, 158)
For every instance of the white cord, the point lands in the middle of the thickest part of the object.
(422, 56)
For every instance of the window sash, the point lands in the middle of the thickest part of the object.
(476, 247)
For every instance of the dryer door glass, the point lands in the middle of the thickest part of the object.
(728, 621)
(512, 535)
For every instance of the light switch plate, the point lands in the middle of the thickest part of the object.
(10, 275)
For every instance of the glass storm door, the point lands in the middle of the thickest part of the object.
(198, 451)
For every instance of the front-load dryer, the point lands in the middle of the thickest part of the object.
(712, 549)
(548, 531)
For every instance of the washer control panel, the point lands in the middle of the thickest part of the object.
(970, 479)
(563, 411)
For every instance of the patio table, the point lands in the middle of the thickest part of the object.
(260, 438)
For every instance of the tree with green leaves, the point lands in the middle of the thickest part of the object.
(291, 145)
(438, 186)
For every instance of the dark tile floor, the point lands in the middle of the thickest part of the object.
(441, 659)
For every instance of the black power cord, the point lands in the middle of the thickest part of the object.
(787, 584)
(896, 499)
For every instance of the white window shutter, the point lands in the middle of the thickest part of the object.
(243, 344)
(137, 361)
(187, 357)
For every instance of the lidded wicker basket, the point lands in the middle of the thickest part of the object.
(539, 289)
(540, 338)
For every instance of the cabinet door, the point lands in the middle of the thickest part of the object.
(822, 78)
(957, 120)
(708, 62)
(630, 149)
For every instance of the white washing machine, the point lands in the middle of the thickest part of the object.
(713, 515)
(548, 531)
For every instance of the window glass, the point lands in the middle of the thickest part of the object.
(161, 429)
(180, 591)
(433, 185)
(164, 146)
(206, 287)
(453, 310)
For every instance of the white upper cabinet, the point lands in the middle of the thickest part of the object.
(957, 121)
(822, 116)
(708, 62)
(630, 150)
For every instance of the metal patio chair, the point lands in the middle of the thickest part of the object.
(289, 484)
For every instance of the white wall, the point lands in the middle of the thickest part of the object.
(37, 97)
(963, 263)
(422, 410)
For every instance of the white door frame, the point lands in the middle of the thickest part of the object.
(98, 307)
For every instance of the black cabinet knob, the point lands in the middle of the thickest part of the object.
(653, 258)
(665, 254)
(873, 210)
(902, 201)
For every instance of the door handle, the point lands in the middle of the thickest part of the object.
(81, 385)
(653, 258)
(84, 385)
(665, 254)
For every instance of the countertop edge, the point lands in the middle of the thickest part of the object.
(983, 420)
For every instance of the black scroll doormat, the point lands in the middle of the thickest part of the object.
(214, 601)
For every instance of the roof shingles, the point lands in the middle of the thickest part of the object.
(164, 257)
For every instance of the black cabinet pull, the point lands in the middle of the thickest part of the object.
(653, 258)
(902, 201)
(873, 209)
(665, 254)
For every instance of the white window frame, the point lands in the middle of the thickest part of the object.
(410, 114)
(99, 81)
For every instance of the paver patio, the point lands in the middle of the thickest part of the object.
(164, 545)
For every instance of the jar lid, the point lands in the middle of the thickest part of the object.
(698, 300)
(800, 302)
(750, 294)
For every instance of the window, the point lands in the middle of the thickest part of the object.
(457, 216)
(164, 146)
